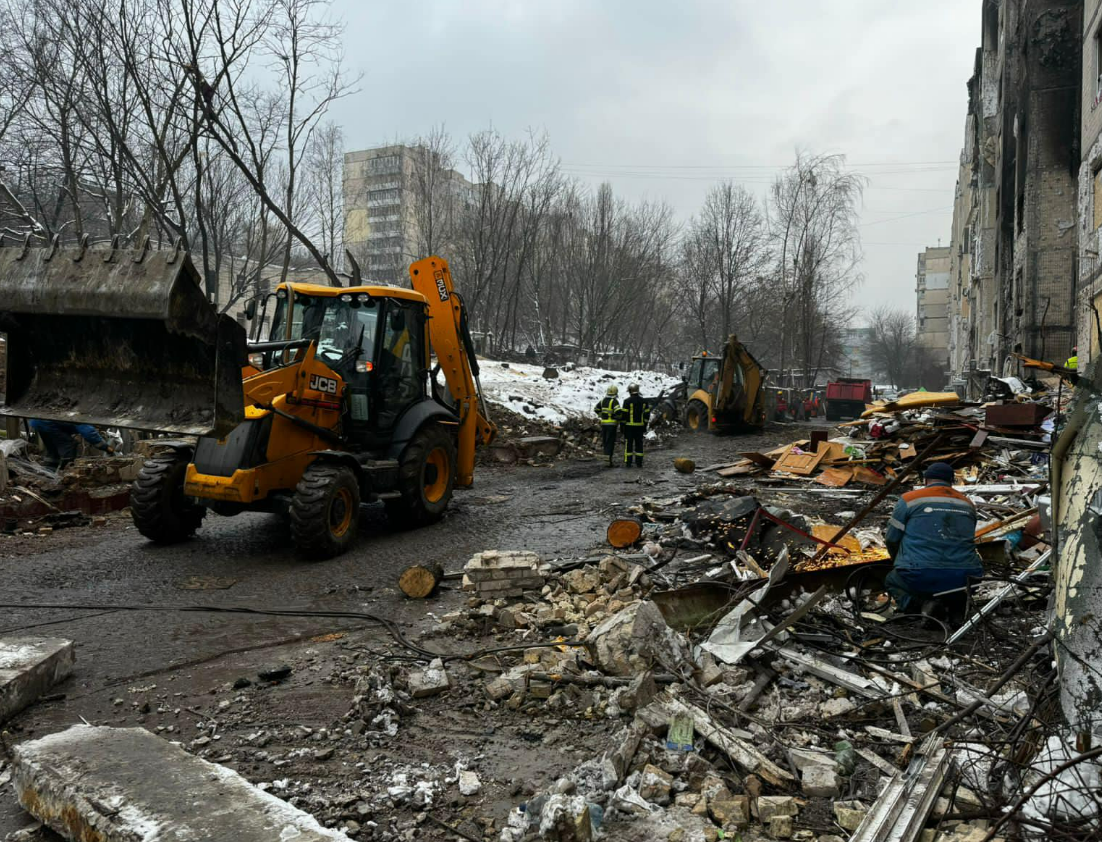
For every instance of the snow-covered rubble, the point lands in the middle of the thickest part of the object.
(523, 388)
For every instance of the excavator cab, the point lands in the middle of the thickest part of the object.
(725, 393)
(376, 346)
(334, 408)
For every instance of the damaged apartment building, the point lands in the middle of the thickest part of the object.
(1015, 268)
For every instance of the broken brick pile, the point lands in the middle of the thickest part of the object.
(496, 574)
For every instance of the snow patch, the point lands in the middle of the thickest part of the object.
(523, 389)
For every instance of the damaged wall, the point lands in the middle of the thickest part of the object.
(1090, 186)
(1077, 515)
(1019, 213)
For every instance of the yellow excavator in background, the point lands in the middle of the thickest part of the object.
(337, 407)
(725, 394)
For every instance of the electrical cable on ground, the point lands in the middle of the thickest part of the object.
(389, 625)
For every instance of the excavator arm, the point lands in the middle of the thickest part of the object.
(451, 342)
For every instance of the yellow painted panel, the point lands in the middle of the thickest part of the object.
(915, 400)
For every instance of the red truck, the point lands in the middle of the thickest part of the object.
(846, 398)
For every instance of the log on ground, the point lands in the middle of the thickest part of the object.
(624, 532)
(420, 580)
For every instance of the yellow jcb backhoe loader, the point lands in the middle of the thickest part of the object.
(335, 408)
(725, 394)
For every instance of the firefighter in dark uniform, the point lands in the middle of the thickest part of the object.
(634, 415)
(608, 410)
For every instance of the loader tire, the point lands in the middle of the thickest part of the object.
(696, 417)
(325, 511)
(426, 478)
(160, 509)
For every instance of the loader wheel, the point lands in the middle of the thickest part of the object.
(158, 505)
(325, 511)
(426, 478)
(696, 417)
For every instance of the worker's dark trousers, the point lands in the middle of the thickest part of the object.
(60, 449)
(911, 587)
(633, 444)
(608, 436)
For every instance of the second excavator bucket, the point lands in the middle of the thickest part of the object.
(117, 338)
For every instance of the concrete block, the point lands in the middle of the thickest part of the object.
(776, 805)
(821, 782)
(29, 666)
(429, 681)
(127, 785)
(849, 814)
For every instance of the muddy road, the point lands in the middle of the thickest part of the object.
(559, 511)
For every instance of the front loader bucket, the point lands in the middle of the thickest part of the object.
(117, 338)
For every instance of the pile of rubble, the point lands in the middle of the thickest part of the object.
(35, 499)
(789, 714)
(994, 443)
(523, 439)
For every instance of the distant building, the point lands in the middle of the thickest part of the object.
(856, 354)
(932, 289)
(394, 196)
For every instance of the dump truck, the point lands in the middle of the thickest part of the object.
(725, 394)
(846, 398)
(336, 407)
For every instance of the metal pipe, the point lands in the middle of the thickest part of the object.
(997, 598)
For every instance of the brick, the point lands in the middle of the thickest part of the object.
(125, 784)
(29, 666)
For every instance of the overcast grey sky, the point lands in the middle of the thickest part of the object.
(664, 98)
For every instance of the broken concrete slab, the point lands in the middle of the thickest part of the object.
(126, 784)
(29, 666)
(429, 681)
(655, 785)
(469, 783)
(636, 639)
(821, 782)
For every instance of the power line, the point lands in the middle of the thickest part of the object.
(752, 166)
(905, 216)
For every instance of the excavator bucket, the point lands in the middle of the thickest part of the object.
(117, 338)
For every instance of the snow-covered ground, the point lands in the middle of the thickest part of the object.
(523, 388)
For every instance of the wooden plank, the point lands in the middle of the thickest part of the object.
(834, 477)
(832, 451)
(801, 464)
(761, 459)
(739, 470)
(876, 760)
(868, 476)
(900, 718)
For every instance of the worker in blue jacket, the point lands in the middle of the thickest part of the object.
(58, 438)
(932, 541)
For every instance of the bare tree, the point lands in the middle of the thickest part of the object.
(814, 214)
(724, 253)
(226, 40)
(892, 343)
(324, 182)
(437, 200)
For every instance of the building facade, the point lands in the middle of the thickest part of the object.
(1016, 207)
(856, 354)
(1090, 184)
(399, 205)
(932, 293)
